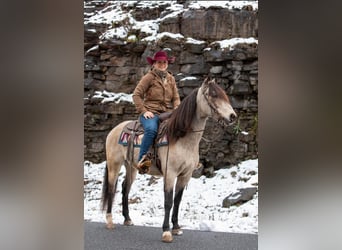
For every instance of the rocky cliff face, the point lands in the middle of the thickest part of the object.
(203, 40)
(212, 24)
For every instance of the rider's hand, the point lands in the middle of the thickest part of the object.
(148, 115)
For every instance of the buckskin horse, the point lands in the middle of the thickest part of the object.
(178, 159)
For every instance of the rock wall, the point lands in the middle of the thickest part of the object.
(213, 24)
(116, 65)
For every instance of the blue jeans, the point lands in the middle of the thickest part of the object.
(150, 132)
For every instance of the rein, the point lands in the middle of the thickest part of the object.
(203, 138)
(196, 131)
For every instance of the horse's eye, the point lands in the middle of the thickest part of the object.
(213, 93)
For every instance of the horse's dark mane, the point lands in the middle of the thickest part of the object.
(181, 119)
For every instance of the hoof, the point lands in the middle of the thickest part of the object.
(128, 223)
(177, 231)
(167, 237)
(110, 226)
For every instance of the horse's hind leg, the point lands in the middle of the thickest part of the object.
(109, 218)
(109, 189)
(126, 187)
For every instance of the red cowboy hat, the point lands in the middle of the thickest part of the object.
(160, 56)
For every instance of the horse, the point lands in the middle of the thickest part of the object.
(178, 159)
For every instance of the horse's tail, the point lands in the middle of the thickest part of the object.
(108, 191)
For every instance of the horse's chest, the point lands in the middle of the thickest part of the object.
(186, 156)
(190, 148)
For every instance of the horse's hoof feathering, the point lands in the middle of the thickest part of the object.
(167, 237)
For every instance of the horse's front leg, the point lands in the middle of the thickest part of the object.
(168, 199)
(181, 183)
(178, 197)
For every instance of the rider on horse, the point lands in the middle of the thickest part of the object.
(156, 93)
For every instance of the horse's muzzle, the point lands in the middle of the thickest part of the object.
(232, 118)
(224, 121)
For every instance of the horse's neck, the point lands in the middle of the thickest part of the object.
(200, 119)
(192, 139)
(198, 123)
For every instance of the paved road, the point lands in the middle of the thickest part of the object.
(97, 237)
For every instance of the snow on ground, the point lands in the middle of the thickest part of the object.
(201, 206)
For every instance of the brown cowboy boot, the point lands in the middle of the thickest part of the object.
(144, 165)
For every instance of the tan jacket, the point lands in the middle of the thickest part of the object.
(154, 95)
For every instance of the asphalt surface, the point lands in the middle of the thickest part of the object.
(98, 237)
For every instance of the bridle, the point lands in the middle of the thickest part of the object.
(214, 110)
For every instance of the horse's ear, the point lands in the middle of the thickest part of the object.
(210, 80)
(206, 81)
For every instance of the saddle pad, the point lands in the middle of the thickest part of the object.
(125, 137)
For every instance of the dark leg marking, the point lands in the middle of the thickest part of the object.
(178, 198)
(168, 196)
